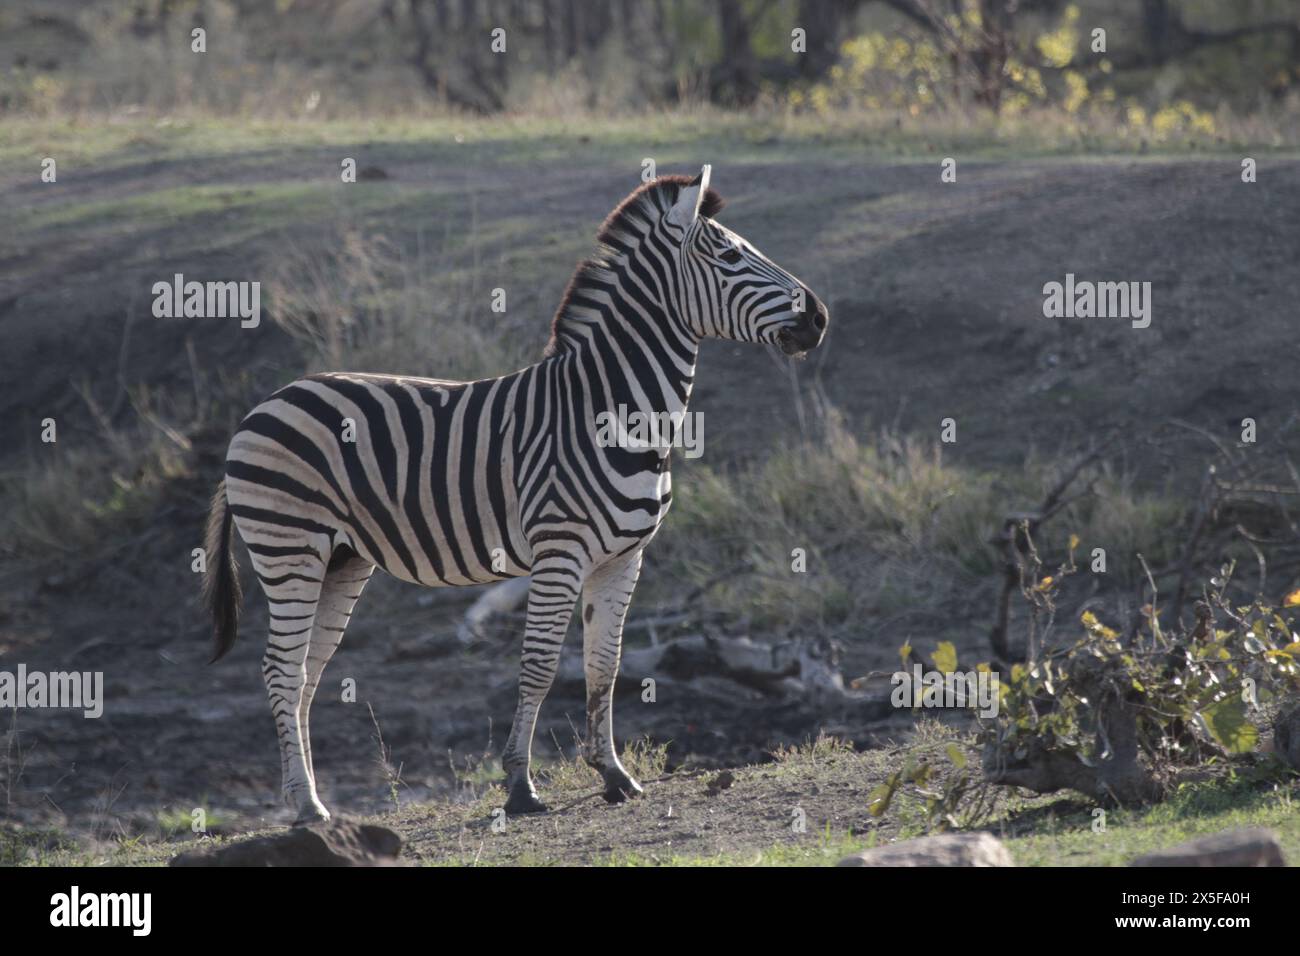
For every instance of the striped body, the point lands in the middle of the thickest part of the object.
(444, 483)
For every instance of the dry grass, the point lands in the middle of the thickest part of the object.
(356, 301)
(887, 526)
(66, 496)
(351, 300)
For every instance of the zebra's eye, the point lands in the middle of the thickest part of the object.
(730, 256)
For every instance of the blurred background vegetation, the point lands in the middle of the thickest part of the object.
(1168, 66)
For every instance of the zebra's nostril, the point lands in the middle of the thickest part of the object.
(819, 320)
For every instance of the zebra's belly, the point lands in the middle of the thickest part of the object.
(476, 552)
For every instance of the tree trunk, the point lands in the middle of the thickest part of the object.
(824, 22)
(737, 74)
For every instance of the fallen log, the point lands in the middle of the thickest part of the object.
(500, 598)
(716, 666)
(795, 669)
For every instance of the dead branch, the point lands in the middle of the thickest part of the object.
(723, 667)
(1013, 542)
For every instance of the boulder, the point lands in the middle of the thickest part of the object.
(945, 849)
(340, 842)
(1249, 846)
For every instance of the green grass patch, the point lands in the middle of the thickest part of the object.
(1069, 838)
(107, 144)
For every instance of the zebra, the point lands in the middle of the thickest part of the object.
(444, 483)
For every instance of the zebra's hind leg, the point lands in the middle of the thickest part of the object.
(292, 582)
(345, 578)
(605, 599)
(555, 587)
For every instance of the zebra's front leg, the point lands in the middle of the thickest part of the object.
(606, 597)
(554, 589)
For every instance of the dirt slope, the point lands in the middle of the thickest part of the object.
(936, 298)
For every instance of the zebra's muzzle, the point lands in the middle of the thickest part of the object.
(806, 334)
(789, 345)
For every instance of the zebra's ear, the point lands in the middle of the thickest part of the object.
(687, 207)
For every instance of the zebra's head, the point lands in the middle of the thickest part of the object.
(661, 249)
(728, 289)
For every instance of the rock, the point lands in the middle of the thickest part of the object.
(1248, 846)
(340, 842)
(945, 849)
(1286, 736)
(722, 781)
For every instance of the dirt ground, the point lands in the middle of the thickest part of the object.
(790, 807)
(935, 294)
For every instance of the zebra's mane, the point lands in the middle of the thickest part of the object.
(633, 217)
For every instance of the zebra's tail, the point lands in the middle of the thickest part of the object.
(221, 591)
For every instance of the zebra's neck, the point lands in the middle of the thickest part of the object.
(618, 332)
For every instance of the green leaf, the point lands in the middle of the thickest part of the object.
(957, 756)
(1228, 724)
(945, 657)
(883, 796)
(905, 652)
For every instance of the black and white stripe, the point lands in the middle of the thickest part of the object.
(451, 483)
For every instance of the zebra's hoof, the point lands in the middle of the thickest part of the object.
(620, 787)
(312, 814)
(523, 799)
